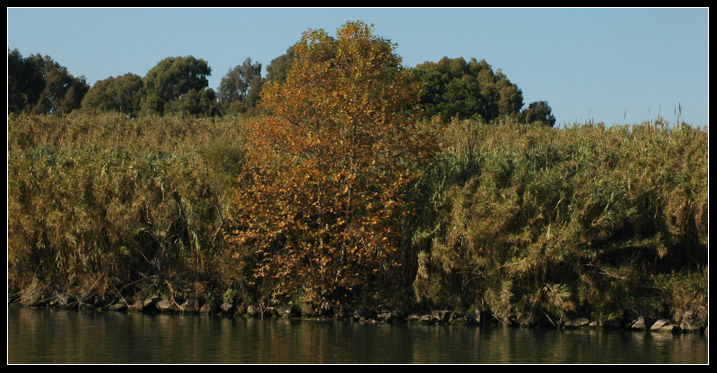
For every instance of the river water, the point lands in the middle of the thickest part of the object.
(42, 336)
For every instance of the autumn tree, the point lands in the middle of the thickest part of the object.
(322, 213)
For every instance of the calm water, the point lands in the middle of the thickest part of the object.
(70, 337)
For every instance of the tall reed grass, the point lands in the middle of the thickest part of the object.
(99, 202)
(546, 222)
(519, 219)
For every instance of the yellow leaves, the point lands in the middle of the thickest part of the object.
(327, 169)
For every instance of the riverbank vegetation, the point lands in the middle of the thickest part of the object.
(338, 192)
(587, 219)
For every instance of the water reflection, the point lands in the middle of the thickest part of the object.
(47, 336)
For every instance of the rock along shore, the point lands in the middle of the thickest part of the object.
(681, 322)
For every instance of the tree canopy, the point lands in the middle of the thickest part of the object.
(456, 88)
(452, 88)
(239, 89)
(171, 79)
(329, 168)
(42, 86)
(120, 94)
(538, 111)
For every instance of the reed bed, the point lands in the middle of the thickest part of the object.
(544, 223)
(524, 220)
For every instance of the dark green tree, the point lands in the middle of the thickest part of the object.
(42, 86)
(538, 111)
(468, 89)
(170, 79)
(25, 81)
(121, 94)
(449, 98)
(239, 89)
(194, 102)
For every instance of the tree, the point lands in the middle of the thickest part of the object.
(468, 89)
(239, 89)
(326, 189)
(450, 98)
(42, 86)
(280, 66)
(195, 102)
(121, 94)
(25, 81)
(538, 111)
(171, 78)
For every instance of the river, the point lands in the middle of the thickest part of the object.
(44, 336)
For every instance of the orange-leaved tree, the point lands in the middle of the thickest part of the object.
(328, 187)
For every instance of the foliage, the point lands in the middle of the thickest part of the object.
(112, 205)
(119, 94)
(323, 206)
(239, 90)
(538, 111)
(456, 88)
(547, 222)
(280, 66)
(342, 191)
(176, 84)
(25, 81)
(42, 86)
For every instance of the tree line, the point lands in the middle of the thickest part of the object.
(453, 88)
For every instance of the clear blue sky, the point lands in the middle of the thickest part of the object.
(609, 65)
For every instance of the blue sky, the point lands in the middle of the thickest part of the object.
(611, 65)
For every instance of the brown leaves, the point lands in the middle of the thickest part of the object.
(329, 169)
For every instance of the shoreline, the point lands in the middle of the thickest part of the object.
(679, 323)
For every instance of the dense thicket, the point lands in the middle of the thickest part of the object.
(587, 219)
(112, 205)
(338, 192)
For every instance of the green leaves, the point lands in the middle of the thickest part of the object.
(458, 89)
(121, 94)
(40, 85)
(173, 77)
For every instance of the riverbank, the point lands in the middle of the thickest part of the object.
(530, 225)
(681, 322)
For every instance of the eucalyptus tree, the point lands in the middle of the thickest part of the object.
(119, 94)
(41, 85)
(455, 87)
(167, 82)
(239, 89)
